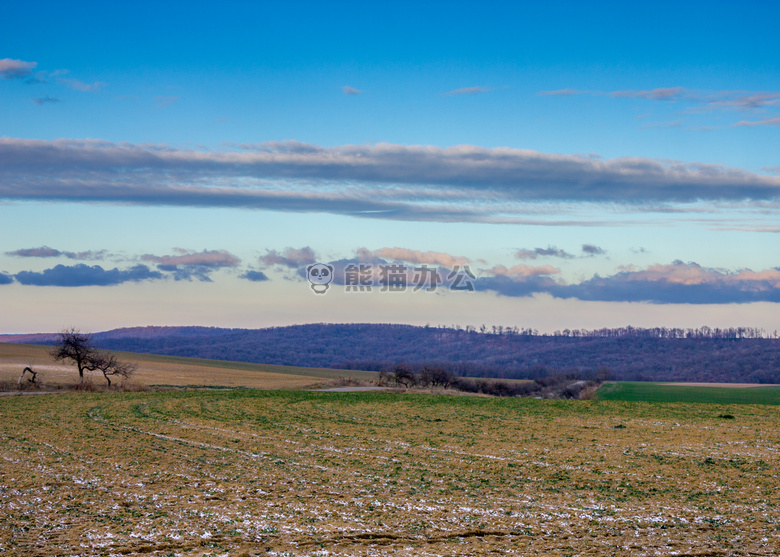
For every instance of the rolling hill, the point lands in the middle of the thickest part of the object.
(704, 355)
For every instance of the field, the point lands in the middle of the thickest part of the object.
(249, 472)
(173, 371)
(716, 394)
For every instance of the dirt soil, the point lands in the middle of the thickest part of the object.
(302, 473)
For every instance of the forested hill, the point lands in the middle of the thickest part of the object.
(733, 355)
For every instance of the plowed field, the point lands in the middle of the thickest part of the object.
(300, 473)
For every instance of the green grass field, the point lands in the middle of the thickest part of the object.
(659, 392)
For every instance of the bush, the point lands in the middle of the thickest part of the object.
(86, 387)
(435, 377)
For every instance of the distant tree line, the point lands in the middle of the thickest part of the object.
(740, 354)
(552, 385)
(624, 332)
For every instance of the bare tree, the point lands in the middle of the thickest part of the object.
(435, 376)
(110, 365)
(78, 348)
(403, 375)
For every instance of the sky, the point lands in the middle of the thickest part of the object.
(541, 165)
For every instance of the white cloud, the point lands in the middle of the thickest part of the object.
(469, 91)
(429, 257)
(15, 69)
(162, 101)
(79, 85)
(351, 90)
(767, 122)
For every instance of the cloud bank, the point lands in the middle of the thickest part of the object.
(402, 182)
(675, 283)
(84, 275)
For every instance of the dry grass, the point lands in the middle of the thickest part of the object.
(298, 473)
(167, 370)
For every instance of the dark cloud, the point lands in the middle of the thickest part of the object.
(590, 250)
(676, 283)
(290, 257)
(189, 272)
(46, 100)
(46, 251)
(189, 265)
(43, 251)
(254, 276)
(619, 289)
(374, 181)
(87, 255)
(84, 275)
(202, 274)
(549, 251)
(522, 287)
(6, 278)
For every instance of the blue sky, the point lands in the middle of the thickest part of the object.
(153, 157)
